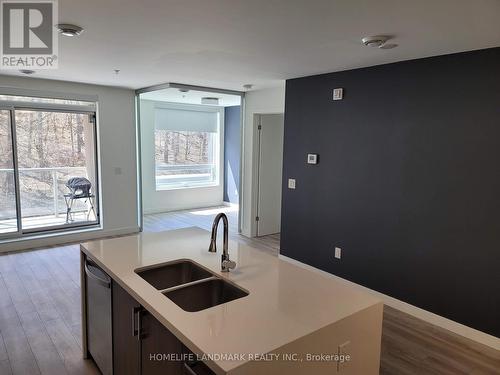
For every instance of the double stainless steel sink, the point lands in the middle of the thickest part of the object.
(190, 286)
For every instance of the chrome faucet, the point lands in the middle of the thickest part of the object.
(226, 263)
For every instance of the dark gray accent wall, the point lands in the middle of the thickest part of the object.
(232, 140)
(408, 183)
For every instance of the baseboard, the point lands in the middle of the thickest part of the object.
(51, 239)
(437, 320)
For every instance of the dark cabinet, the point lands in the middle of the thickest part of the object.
(142, 345)
(161, 351)
(126, 341)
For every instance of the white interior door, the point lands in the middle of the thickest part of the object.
(270, 167)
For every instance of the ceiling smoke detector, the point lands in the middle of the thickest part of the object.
(378, 41)
(68, 29)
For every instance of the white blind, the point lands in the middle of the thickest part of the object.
(185, 120)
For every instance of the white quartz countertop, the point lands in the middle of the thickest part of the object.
(286, 302)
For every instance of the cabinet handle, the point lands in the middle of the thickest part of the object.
(135, 313)
(139, 323)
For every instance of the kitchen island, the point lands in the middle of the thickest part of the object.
(279, 318)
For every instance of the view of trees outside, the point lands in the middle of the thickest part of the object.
(179, 147)
(51, 149)
(50, 139)
(33, 99)
(184, 154)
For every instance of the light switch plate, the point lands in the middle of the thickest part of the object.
(338, 252)
(291, 183)
(338, 94)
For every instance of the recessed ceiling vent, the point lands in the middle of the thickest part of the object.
(210, 100)
(379, 41)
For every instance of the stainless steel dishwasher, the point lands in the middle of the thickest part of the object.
(99, 317)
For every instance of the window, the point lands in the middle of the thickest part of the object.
(47, 143)
(187, 148)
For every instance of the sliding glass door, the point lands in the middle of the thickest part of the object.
(48, 169)
(52, 148)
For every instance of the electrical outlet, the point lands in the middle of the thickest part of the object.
(344, 356)
(291, 183)
(338, 252)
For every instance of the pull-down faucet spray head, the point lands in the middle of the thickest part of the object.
(226, 263)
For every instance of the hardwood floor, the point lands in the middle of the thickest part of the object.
(40, 328)
(412, 346)
(204, 218)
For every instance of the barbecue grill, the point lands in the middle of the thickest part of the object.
(80, 188)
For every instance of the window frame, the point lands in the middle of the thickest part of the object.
(219, 148)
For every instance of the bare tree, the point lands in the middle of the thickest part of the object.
(165, 147)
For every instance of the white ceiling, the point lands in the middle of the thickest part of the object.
(173, 95)
(227, 43)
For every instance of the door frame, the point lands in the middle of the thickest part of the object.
(255, 169)
(167, 85)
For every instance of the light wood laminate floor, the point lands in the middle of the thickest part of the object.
(40, 328)
(204, 218)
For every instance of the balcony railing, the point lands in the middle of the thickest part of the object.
(185, 175)
(42, 191)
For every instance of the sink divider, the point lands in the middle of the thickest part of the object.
(180, 286)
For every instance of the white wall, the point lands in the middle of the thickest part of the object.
(270, 100)
(178, 199)
(117, 135)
